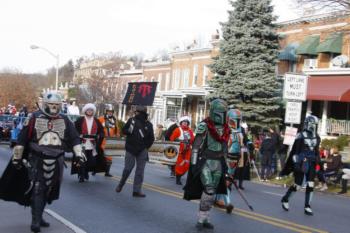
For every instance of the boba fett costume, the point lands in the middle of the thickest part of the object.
(208, 165)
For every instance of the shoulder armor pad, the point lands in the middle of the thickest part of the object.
(201, 128)
(299, 136)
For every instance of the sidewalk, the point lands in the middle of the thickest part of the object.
(15, 218)
(287, 181)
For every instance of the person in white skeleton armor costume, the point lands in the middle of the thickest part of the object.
(34, 174)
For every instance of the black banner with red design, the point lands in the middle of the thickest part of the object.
(140, 93)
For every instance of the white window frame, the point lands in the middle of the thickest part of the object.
(159, 86)
(195, 75)
(177, 78)
(186, 78)
(167, 80)
(173, 80)
(205, 75)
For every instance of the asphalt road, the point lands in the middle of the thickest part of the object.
(94, 207)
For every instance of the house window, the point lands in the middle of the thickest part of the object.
(173, 80)
(173, 107)
(177, 78)
(292, 66)
(159, 86)
(195, 75)
(205, 75)
(167, 80)
(310, 62)
(186, 78)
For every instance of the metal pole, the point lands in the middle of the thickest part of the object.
(57, 67)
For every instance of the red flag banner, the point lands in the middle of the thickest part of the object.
(140, 93)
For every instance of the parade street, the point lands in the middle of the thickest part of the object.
(95, 207)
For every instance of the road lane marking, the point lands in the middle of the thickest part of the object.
(67, 223)
(275, 194)
(248, 214)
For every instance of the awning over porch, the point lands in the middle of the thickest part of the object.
(332, 44)
(288, 53)
(309, 45)
(328, 87)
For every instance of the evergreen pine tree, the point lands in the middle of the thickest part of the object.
(245, 68)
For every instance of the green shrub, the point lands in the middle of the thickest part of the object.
(120, 125)
(340, 142)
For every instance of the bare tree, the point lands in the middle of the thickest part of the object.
(16, 89)
(321, 5)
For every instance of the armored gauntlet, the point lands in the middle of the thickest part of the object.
(78, 151)
(17, 156)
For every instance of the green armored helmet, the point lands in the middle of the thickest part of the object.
(217, 112)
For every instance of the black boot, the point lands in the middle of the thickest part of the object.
(308, 196)
(240, 184)
(119, 188)
(35, 226)
(37, 205)
(344, 184)
(178, 180)
(229, 208)
(81, 179)
(81, 173)
(285, 198)
(108, 168)
(43, 223)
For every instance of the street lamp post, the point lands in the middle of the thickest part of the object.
(52, 54)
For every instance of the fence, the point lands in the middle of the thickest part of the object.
(336, 127)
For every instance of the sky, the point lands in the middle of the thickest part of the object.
(75, 28)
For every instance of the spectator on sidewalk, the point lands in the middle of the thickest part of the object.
(330, 167)
(344, 176)
(267, 150)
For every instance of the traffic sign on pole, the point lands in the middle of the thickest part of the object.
(293, 112)
(295, 87)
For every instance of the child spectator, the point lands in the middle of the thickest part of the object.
(330, 167)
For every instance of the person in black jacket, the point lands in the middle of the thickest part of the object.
(267, 150)
(139, 138)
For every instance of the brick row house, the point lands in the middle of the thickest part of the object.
(182, 84)
(319, 46)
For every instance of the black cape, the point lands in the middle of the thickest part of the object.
(13, 185)
(194, 188)
(298, 147)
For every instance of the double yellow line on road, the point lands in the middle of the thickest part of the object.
(244, 213)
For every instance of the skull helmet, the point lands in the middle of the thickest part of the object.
(52, 103)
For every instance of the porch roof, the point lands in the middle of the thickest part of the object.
(309, 45)
(328, 87)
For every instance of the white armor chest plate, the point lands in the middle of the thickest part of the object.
(310, 142)
(50, 132)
